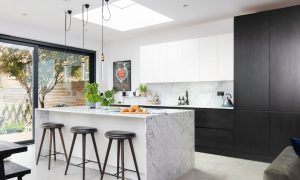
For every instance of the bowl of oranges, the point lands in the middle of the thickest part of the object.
(134, 109)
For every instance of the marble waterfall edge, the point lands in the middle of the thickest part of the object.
(170, 143)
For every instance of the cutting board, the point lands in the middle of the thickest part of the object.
(134, 112)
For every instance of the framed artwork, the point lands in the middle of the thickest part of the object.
(122, 75)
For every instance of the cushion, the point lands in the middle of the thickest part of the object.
(296, 145)
(285, 167)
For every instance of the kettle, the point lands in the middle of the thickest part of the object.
(227, 102)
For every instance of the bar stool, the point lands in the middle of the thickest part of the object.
(120, 136)
(51, 126)
(83, 130)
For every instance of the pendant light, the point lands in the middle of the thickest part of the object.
(102, 35)
(67, 28)
(85, 7)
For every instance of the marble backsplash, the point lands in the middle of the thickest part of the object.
(201, 94)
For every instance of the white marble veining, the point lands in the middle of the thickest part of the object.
(164, 144)
(201, 94)
(170, 145)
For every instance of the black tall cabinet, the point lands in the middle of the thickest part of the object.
(251, 85)
(285, 59)
(251, 62)
(267, 80)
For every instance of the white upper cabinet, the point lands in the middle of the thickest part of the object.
(174, 61)
(203, 59)
(208, 51)
(146, 64)
(190, 60)
(160, 63)
(225, 57)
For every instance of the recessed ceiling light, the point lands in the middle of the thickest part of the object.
(127, 15)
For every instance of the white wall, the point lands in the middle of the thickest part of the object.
(129, 49)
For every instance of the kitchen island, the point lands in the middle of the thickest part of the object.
(164, 145)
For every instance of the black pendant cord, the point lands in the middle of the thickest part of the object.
(69, 12)
(84, 23)
(102, 18)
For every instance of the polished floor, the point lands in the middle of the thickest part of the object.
(207, 167)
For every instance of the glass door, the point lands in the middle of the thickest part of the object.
(61, 83)
(16, 92)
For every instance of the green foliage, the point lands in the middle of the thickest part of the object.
(108, 97)
(91, 93)
(11, 127)
(143, 88)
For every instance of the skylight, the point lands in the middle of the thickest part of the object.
(127, 15)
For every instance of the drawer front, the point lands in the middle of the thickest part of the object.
(216, 119)
(214, 138)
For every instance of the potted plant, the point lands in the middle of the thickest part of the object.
(91, 94)
(107, 97)
(143, 90)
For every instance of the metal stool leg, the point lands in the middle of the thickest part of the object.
(106, 157)
(118, 159)
(96, 151)
(63, 143)
(50, 146)
(134, 158)
(54, 143)
(83, 155)
(41, 145)
(122, 159)
(70, 154)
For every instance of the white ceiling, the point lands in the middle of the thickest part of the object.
(49, 14)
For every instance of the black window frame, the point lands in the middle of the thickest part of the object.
(49, 46)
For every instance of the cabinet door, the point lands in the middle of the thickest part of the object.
(208, 52)
(146, 64)
(285, 59)
(213, 138)
(190, 60)
(251, 132)
(225, 57)
(283, 126)
(174, 61)
(251, 62)
(214, 119)
(160, 64)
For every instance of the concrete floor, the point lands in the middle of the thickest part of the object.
(207, 167)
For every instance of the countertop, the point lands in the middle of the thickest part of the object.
(175, 106)
(87, 110)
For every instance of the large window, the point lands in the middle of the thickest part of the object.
(36, 74)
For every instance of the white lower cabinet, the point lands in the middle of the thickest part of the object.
(201, 59)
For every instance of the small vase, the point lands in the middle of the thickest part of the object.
(92, 105)
(143, 94)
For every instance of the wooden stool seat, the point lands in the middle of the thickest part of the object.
(83, 130)
(119, 134)
(51, 125)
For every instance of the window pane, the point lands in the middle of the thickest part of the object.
(15, 92)
(61, 83)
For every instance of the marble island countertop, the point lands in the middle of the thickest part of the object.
(175, 106)
(87, 110)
